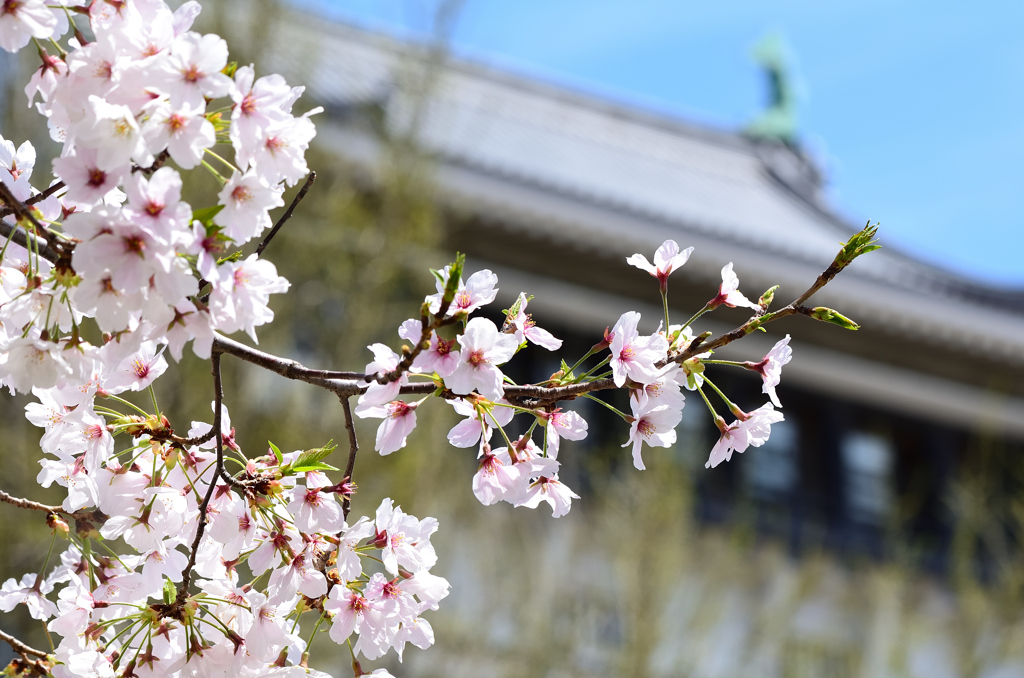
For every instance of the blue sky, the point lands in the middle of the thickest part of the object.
(916, 109)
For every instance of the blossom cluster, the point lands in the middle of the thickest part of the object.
(145, 266)
(117, 613)
(467, 367)
(139, 102)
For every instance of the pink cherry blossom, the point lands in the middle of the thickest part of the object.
(729, 293)
(184, 132)
(351, 612)
(667, 258)
(654, 425)
(112, 130)
(770, 368)
(86, 181)
(315, 510)
(240, 298)
(30, 591)
(483, 349)
(247, 199)
(749, 429)
(399, 421)
(496, 477)
(258, 105)
(526, 328)
(548, 489)
(384, 360)
(155, 205)
(23, 20)
(635, 356)
(193, 69)
(468, 432)
(33, 362)
(561, 424)
(478, 291)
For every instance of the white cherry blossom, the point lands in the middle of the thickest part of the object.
(667, 258)
(483, 349)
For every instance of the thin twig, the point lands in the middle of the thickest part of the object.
(21, 648)
(287, 213)
(218, 399)
(29, 504)
(157, 164)
(353, 449)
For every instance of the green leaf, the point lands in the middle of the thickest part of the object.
(861, 243)
(766, 299)
(454, 276)
(310, 459)
(318, 466)
(170, 591)
(234, 256)
(277, 452)
(206, 215)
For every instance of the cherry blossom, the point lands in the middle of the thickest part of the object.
(654, 425)
(729, 293)
(193, 70)
(496, 478)
(667, 258)
(635, 356)
(561, 424)
(483, 349)
(247, 199)
(749, 429)
(548, 489)
(23, 20)
(468, 432)
(526, 329)
(478, 291)
(30, 591)
(770, 368)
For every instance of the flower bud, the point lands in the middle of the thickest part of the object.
(55, 522)
(829, 315)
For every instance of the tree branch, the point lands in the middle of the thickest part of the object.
(21, 648)
(353, 449)
(29, 504)
(218, 399)
(287, 214)
(23, 213)
(30, 242)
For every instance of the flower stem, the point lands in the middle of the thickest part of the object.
(707, 402)
(728, 403)
(156, 408)
(625, 417)
(696, 315)
(664, 303)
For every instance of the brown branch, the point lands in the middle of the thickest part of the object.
(157, 164)
(30, 241)
(23, 213)
(536, 396)
(353, 449)
(29, 504)
(35, 199)
(860, 243)
(287, 213)
(21, 648)
(218, 399)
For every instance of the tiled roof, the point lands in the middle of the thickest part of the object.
(610, 176)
